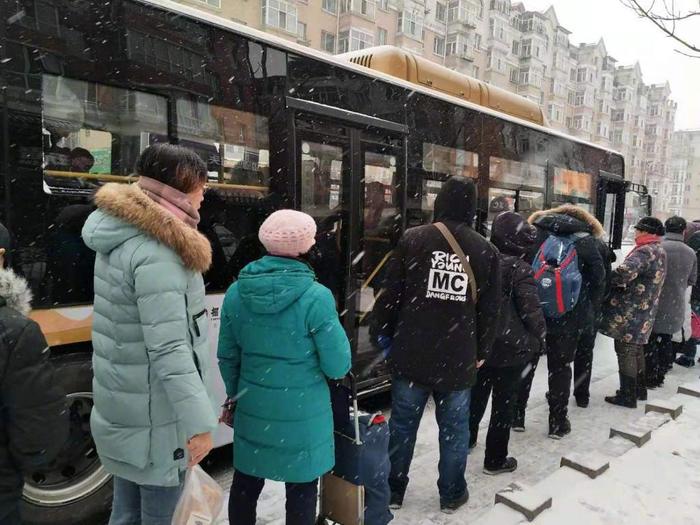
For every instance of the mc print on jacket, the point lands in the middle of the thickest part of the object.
(149, 337)
(280, 341)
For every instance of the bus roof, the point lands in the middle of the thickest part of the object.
(346, 64)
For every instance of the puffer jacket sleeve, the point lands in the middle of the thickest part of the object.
(328, 334)
(34, 402)
(488, 306)
(527, 301)
(637, 262)
(592, 269)
(161, 287)
(229, 349)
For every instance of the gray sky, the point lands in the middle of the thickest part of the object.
(629, 39)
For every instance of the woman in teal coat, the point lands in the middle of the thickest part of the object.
(280, 341)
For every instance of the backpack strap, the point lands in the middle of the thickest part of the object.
(447, 234)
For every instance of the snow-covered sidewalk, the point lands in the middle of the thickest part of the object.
(538, 456)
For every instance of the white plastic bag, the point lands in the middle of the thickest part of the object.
(201, 499)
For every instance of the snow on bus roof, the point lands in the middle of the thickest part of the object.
(330, 59)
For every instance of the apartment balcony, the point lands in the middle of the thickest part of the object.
(458, 59)
(365, 8)
(461, 18)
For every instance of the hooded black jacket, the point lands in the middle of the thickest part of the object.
(438, 331)
(523, 326)
(572, 220)
(33, 418)
(694, 243)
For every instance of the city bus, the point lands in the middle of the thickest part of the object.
(361, 142)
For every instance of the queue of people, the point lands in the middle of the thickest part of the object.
(461, 319)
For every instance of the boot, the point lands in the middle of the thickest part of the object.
(519, 421)
(627, 396)
(641, 386)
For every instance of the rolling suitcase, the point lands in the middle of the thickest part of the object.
(356, 491)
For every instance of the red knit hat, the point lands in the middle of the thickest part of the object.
(288, 233)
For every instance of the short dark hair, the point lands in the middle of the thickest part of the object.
(675, 224)
(81, 152)
(176, 166)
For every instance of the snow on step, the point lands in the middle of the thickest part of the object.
(639, 432)
(690, 389)
(592, 464)
(671, 407)
(528, 501)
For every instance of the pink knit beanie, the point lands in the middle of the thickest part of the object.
(288, 233)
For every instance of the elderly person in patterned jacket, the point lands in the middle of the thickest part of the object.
(630, 311)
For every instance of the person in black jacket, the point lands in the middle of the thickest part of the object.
(583, 360)
(521, 337)
(33, 419)
(564, 333)
(425, 314)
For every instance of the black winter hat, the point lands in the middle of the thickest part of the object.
(456, 201)
(675, 224)
(512, 234)
(4, 238)
(650, 225)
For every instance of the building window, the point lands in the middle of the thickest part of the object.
(439, 46)
(516, 48)
(330, 5)
(440, 12)
(301, 31)
(354, 40)
(514, 75)
(579, 99)
(526, 49)
(328, 42)
(581, 75)
(383, 5)
(212, 3)
(477, 42)
(281, 15)
(410, 24)
(382, 36)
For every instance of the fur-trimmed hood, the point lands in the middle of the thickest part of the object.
(15, 291)
(142, 215)
(539, 218)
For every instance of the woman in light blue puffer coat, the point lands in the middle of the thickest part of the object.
(152, 415)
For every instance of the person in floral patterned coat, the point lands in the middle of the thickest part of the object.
(630, 311)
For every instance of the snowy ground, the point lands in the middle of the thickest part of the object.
(537, 455)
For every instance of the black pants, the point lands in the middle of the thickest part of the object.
(561, 349)
(523, 389)
(245, 491)
(657, 354)
(504, 383)
(583, 363)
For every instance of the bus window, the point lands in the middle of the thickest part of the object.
(500, 200)
(517, 173)
(529, 202)
(235, 146)
(573, 187)
(450, 161)
(94, 133)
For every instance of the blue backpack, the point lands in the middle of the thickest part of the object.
(558, 276)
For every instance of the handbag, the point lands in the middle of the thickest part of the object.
(695, 326)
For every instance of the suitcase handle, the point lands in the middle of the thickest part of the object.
(355, 409)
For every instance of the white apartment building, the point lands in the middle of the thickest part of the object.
(581, 88)
(685, 171)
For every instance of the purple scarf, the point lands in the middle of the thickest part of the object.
(170, 199)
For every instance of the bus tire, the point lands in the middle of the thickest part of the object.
(75, 489)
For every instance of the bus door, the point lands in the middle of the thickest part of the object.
(610, 207)
(351, 179)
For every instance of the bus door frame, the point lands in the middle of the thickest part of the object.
(355, 124)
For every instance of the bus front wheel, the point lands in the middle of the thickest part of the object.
(74, 489)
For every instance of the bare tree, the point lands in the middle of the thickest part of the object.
(671, 20)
